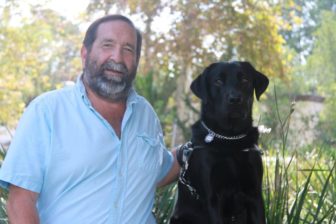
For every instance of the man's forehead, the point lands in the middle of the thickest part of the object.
(115, 26)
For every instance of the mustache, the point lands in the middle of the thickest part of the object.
(118, 67)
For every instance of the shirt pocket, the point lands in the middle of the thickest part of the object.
(150, 151)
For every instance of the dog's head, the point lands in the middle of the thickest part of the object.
(226, 90)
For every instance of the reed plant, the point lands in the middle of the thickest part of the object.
(298, 187)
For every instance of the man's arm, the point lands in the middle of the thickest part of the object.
(172, 174)
(21, 206)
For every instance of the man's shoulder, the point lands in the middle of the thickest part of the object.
(55, 95)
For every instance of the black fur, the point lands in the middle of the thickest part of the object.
(226, 174)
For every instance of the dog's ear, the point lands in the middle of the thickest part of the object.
(260, 81)
(199, 85)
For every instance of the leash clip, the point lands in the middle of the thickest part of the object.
(183, 155)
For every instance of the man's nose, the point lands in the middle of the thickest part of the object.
(117, 55)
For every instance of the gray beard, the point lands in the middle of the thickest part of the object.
(113, 88)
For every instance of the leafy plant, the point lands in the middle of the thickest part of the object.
(158, 89)
(298, 188)
(3, 193)
(165, 200)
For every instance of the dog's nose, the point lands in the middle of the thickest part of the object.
(235, 99)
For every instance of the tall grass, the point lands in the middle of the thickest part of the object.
(298, 188)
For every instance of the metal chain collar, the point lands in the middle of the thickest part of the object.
(211, 135)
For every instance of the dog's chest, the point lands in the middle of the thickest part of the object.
(223, 169)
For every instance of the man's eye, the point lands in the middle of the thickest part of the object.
(218, 82)
(129, 49)
(107, 45)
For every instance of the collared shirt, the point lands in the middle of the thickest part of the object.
(67, 152)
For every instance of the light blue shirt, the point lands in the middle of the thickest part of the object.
(67, 152)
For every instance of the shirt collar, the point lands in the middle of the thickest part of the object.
(81, 88)
(133, 97)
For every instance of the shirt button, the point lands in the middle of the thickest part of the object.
(116, 205)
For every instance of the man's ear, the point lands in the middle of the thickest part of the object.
(84, 54)
(199, 85)
(260, 81)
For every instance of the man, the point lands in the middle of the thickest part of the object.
(94, 152)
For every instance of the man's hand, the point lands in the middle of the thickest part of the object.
(173, 173)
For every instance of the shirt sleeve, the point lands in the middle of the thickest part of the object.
(24, 164)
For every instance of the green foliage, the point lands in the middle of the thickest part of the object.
(299, 188)
(157, 89)
(36, 54)
(321, 74)
(305, 18)
(320, 66)
(165, 201)
(198, 33)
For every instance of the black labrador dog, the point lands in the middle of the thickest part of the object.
(221, 175)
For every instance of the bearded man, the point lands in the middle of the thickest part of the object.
(93, 152)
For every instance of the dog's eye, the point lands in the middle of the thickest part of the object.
(245, 80)
(218, 82)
